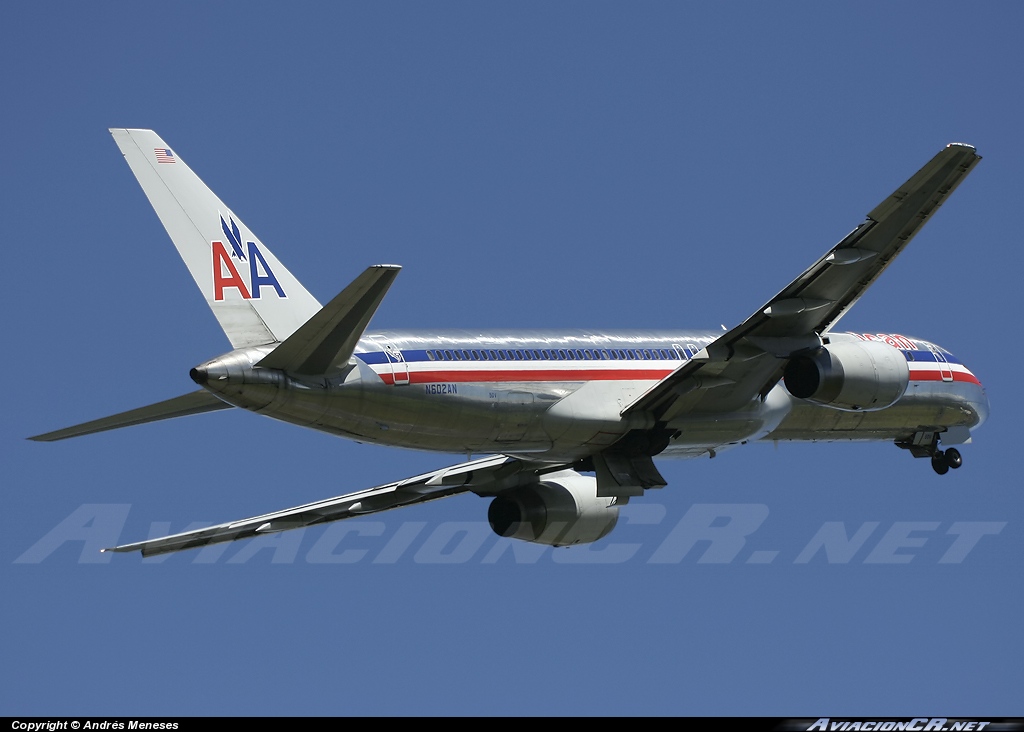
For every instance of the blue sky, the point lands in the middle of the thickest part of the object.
(530, 165)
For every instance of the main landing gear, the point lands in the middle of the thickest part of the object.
(926, 444)
(943, 460)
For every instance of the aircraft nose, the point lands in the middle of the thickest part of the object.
(981, 406)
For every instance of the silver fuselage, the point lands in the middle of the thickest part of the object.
(558, 396)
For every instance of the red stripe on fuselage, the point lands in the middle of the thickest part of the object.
(519, 375)
(561, 375)
(936, 375)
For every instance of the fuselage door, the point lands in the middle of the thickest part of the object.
(399, 366)
(940, 358)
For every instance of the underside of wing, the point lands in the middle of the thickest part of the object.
(749, 359)
(484, 476)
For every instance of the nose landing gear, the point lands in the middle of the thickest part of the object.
(926, 444)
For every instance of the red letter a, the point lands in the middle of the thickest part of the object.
(221, 281)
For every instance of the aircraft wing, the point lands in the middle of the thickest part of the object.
(749, 359)
(485, 476)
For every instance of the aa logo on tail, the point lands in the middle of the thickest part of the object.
(226, 275)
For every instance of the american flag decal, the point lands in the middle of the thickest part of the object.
(164, 155)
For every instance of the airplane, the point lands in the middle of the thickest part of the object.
(568, 422)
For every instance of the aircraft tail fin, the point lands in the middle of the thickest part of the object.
(254, 297)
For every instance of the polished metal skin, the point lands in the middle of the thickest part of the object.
(525, 407)
(550, 407)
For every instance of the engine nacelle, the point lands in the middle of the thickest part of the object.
(852, 376)
(562, 509)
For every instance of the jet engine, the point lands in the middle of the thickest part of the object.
(561, 510)
(849, 375)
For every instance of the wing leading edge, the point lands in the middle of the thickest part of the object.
(748, 359)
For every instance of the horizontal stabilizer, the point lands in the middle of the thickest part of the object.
(326, 341)
(197, 402)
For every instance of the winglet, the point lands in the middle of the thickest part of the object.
(326, 341)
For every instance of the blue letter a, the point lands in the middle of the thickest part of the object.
(257, 280)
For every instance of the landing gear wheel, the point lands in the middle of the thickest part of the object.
(939, 464)
(952, 458)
